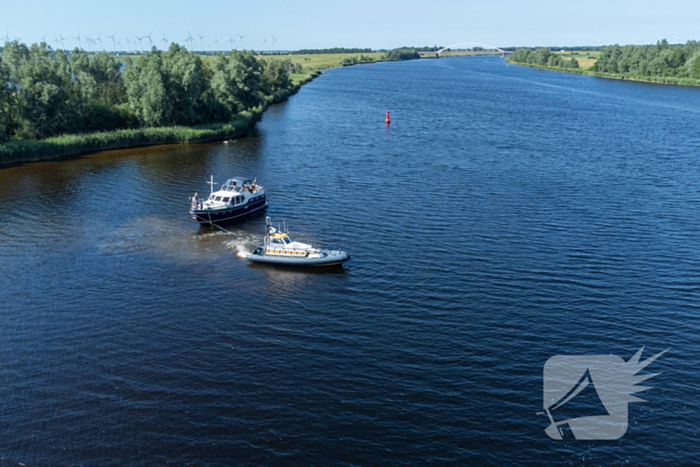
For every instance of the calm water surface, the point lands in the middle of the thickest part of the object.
(506, 216)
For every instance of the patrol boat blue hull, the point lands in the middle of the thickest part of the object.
(329, 258)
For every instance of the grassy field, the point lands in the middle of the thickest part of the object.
(586, 58)
(323, 61)
(308, 62)
(304, 77)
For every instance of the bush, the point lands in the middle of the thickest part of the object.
(402, 53)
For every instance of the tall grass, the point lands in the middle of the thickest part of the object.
(13, 152)
(70, 145)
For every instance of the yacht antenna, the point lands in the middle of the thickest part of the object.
(212, 185)
(285, 226)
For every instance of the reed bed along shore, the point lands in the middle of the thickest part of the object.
(15, 152)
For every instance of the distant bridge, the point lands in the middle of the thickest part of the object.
(437, 53)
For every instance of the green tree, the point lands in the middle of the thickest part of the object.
(402, 53)
(275, 75)
(520, 55)
(147, 89)
(187, 85)
(694, 66)
(236, 81)
(43, 105)
(677, 57)
(38, 90)
(5, 102)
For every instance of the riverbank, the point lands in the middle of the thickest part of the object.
(636, 78)
(16, 152)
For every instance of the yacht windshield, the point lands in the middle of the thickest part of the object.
(287, 240)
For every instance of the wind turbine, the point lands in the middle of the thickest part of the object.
(7, 37)
(231, 41)
(241, 40)
(140, 43)
(128, 44)
(149, 39)
(164, 41)
(265, 43)
(61, 39)
(99, 39)
(190, 38)
(201, 41)
(89, 41)
(216, 41)
(114, 45)
(43, 39)
(80, 42)
(274, 43)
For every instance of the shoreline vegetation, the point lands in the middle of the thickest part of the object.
(70, 145)
(173, 97)
(662, 63)
(58, 104)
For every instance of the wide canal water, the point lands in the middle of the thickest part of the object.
(506, 216)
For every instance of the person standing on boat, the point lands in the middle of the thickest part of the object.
(270, 229)
(195, 201)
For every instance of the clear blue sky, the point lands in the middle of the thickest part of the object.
(312, 24)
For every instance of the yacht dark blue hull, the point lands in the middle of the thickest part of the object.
(215, 216)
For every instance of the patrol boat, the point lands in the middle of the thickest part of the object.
(237, 197)
(280, 248)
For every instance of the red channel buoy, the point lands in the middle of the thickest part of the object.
(388, 121)
(370, 67)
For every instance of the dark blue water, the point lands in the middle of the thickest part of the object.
(506, 216)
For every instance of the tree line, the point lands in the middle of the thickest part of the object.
(542, 56)
(402, 53)
(45, 92)
(349, 61)
(661, 59)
